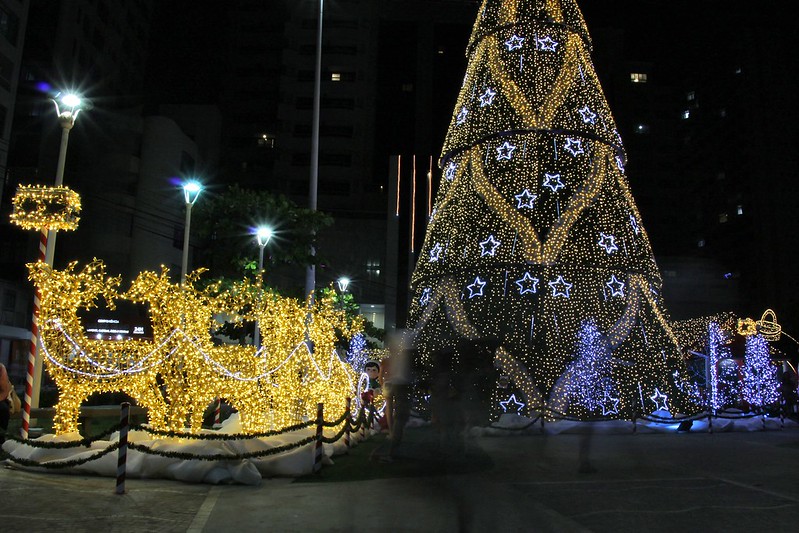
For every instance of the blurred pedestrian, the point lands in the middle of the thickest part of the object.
(395, 377)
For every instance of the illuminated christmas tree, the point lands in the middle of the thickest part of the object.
(760, 385)
(535, 229)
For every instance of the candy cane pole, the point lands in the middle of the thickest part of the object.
(317, 456)
(218, 413)
(32, 362)
(124, 423)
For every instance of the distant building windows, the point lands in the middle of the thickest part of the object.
(738, 70)
(638, 77)
(739, 210)
(642, 129)
(686, 114)
(266, 140)
(9, 25)
(335, 76)
(407, 87)
(701, 243)
(723, 218)
(373, 269)
(691, 96)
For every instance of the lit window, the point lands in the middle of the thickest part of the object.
(638, 77)
(738, 70)
(686, 114)
(335, 76)
(723, 218)
(266, 140)
(642, 128)
(701, 243)
(691, 96)
(441, 51)
(739, 210)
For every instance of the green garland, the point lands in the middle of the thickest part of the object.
(58, 464)
(224, 436)
(336, 422)
(222, 456)
(85, 442)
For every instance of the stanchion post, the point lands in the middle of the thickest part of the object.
(782, 412)
(124, 424)
(218, 413)
(364, 417)
(710, 423)
(348, 424)
(317, 457)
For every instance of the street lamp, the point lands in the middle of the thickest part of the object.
(343, 283)
(310, 273)
(263, 234)
(191, 191)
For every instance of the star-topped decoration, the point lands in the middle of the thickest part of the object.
(616, 286)
(435, 252)
(546, 44)
(449, 171)
(526, 199)
(512, 405)
(560, 287)
(610, 404)
(476, 288)
(574, 146)
(489, 246)
(424, 299)
(514, 43)
(589, 117)
(487, 98)
(461, 118)
(608, 242)
(553, 182)
(505, 151)
(634, 224)
(660, 400)
(527, 284)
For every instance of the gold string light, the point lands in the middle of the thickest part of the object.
(46, 208)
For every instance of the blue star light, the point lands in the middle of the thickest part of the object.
(560, 287)
(616, 286)
(634, 224)
(512, 403)
(547, 44)
(489, 246)
(620, 163)
(527, 284)
(487, 98)
(574, 146)
(435, 252)
(526, 199)
(425, 298)
(610, 405)
(660, 400)
(608, 242)
(461, 118)
(476, 288)
(514, 43)
(505, 151)
(589, 117)
(553, 182)
(449, 172)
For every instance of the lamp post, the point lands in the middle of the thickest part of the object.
(191, 191)
(263, 234)
(343, 283)
(310, 273)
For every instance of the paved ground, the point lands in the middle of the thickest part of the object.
(672, 482)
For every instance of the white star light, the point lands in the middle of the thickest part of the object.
(553, 182)
(589, 117)
(547, 44)
(487, 98)
(489, 246)
(512, 403)
(634, 224)
(435, 252)
(461, 118)
(610, 405)
(449, 172)
(425, 298)
(560, 287)
(476, 288)
(660, 400)
(616, 286)
(505, 151)
(620, 163)
(527, 284)
(526, 199)
(608, 242)
(574, 146)
(514, 43)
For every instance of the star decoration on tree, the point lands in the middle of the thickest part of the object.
(589, 117)
(616, 286)
(608, 242)
(620, 163)
(487, 98)
(553, 182)
(424, 299)
(449, 172)
(505, 151)
(560, 287)
(514, 43)
(527, 284)
(435, 252)
(610, 405)
(489, 246)
(574, 146)
(461, 118)
(634, 224)
(526, 199)
(512, 404)
(660, 400)
(476, 288)
(547, 44)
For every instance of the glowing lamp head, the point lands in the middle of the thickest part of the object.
(343, 283)
(71, 100)
(263, 234)
(191, 191)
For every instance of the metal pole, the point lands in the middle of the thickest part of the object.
(187, 229)
(310, 273)
(256, 341)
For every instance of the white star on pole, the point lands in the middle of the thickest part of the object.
(489, 246)
(553, 182)
(608, 242)
(505, 151)
(476, 288)
(513, 403)
(560, 287)
(610, 405)
(449, 172)
(487, 98)
(589, 117)
(660, 400)
(461, 118)
(435, 252)
(526, 199)
(616, 286)
(547, 44)
(514, 43)
(527, 284)
(574, 146)
(425, 298)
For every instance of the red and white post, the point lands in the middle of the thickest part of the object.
(317, 453)
(29, 378)
(218, 414)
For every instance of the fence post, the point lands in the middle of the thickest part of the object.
(124, 423)
(782, 412)
(218, 413)
(348, 422)
(363, 416)
(709, 423)
(317, 457)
